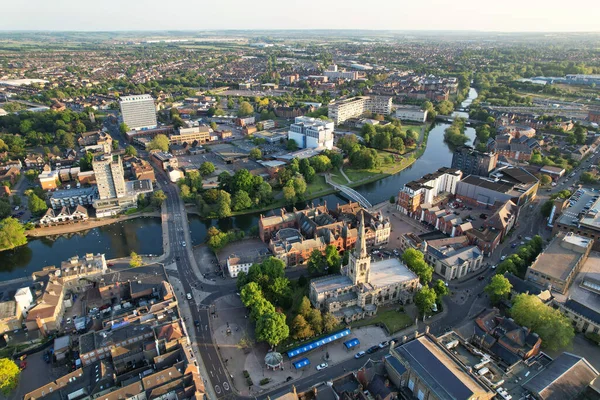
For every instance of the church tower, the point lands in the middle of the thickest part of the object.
(359, 263)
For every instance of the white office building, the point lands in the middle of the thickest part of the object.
(333, 73)
(311, 133)
(411, 113)
(139, 112)
(342, 110)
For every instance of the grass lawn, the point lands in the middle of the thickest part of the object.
(318, 185)
(392, 319)
(416, 128)
(338, 178)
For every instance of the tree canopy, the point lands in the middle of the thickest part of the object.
(160, 142)
(555, 329)
(9, 375)
(12, 234)
(499, 288)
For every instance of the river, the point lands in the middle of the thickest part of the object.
(118, 240)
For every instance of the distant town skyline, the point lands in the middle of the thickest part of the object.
(460, 15)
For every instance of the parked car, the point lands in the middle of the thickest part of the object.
(480, 278)
(372, 349)
(322, 366)
(383, 344)
(360, 354)
(189, 296)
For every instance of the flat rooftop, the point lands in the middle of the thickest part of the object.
(560, 257)
(389, 272)
(68, 193)
(585, 288)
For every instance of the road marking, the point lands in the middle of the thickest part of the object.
(225, 385)
(217, 389)
(209, 357)
(211, 374)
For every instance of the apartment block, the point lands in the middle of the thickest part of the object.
(342, 110)
(427, 190)
(109, 176)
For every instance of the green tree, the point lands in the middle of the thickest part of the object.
(315, 319)
(131, 151)
(425, 299)
(123, 128)
(271, 328)
(330, 322)
(158, 198)
(289, 194)
(498, 289)
(245, 109)
(304, 307)
(299, 185)
(251, 294)
(316, 262)
(255, 154)
(223, 204)
(12, 234)
(135, 260)
(545, 180)
(207, 168)
(31, 175)
(555, 329)
(332, 259)
(445, 107)
(37, 206)
(241, 201)
(301, 329)
(440, 289)
(9, 376)
(160, 142)
(261, 307)
(291, 145)
(586, 177)
(213, 126)
(264, 193)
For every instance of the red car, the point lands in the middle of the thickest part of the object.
(23, 364)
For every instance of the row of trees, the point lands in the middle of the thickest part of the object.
(518, 262)
(263, 286)
(217, 239)
(310, 322)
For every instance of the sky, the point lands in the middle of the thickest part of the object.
(460, 15)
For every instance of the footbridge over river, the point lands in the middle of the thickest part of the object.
(350, 193)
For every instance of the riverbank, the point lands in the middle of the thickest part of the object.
(84, 226)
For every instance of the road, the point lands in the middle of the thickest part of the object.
(179, 252)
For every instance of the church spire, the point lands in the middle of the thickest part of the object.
(361, 242)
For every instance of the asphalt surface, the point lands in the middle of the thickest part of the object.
(178, 234)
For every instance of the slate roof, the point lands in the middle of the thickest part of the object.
(583, 310)
(564, 378)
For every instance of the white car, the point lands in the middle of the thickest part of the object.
(189, 296)
(183, 244)
(322, 366)
(502, 258)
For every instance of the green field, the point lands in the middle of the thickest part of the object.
(392, 319)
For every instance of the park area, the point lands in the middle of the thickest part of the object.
(392, 319)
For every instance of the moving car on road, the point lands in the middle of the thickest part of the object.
(189, 296)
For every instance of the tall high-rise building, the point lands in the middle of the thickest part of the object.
(139, 111)
(109, 176)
